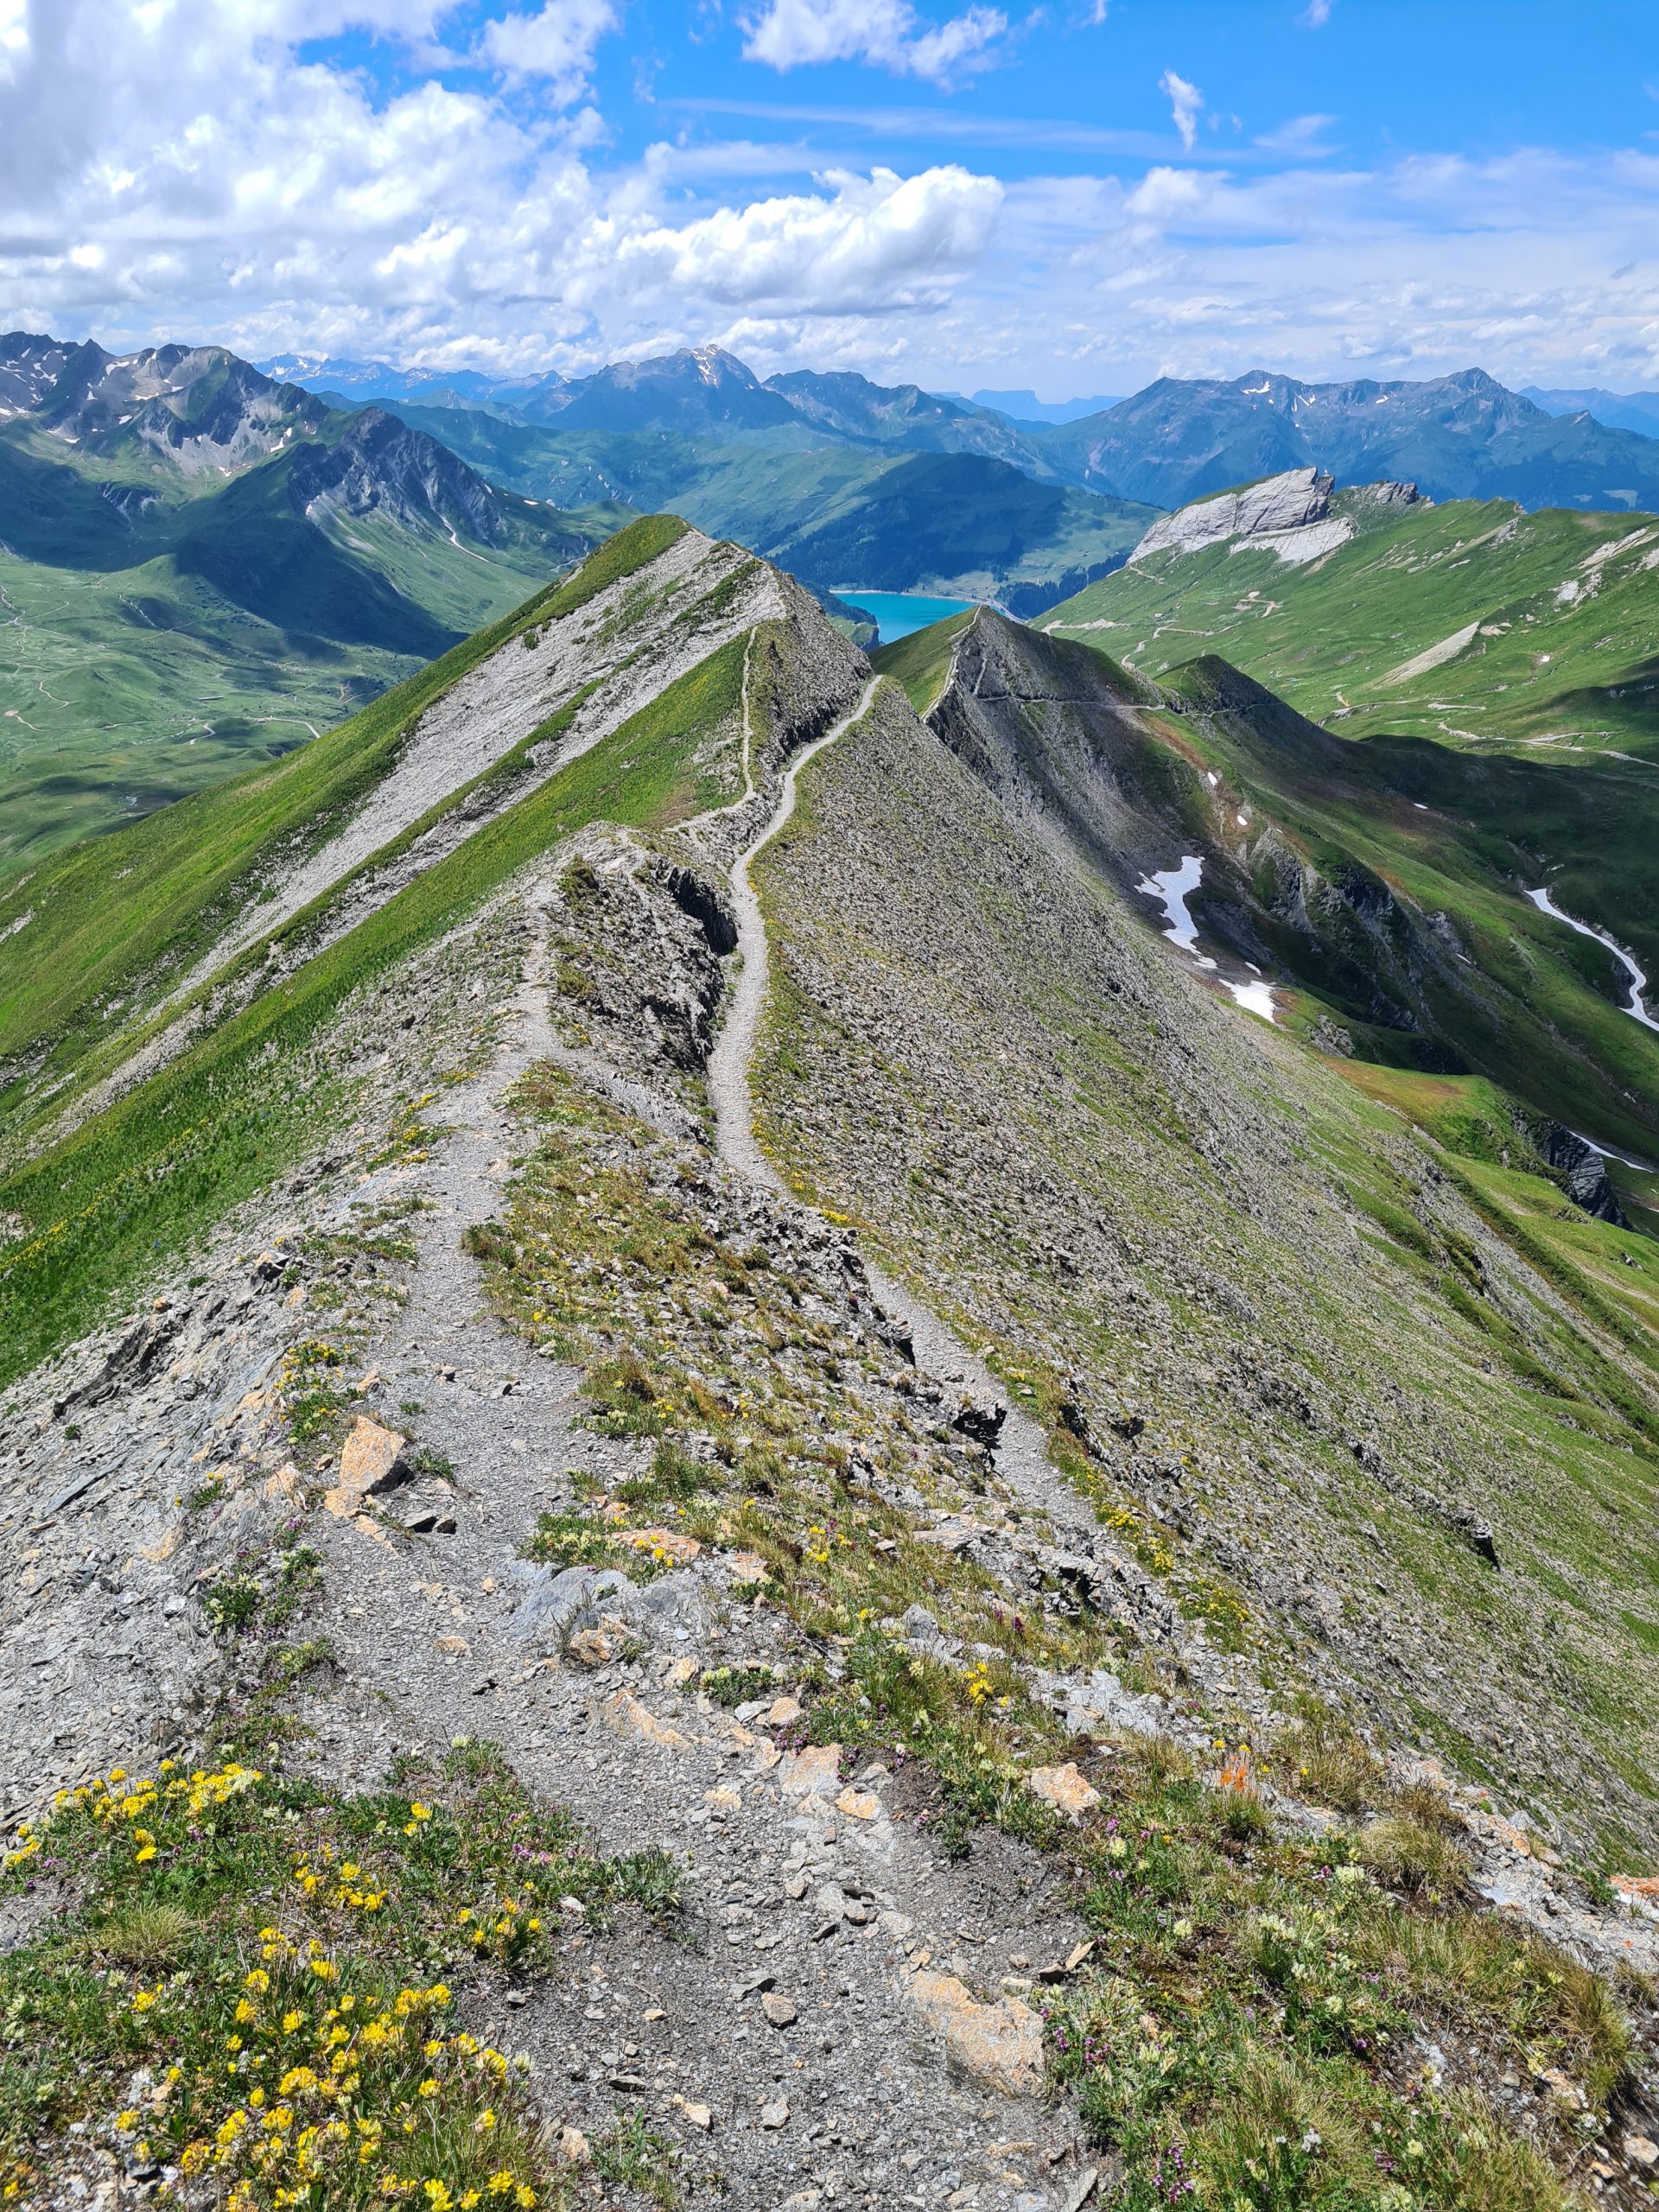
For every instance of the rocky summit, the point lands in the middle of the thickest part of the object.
(799, 1432)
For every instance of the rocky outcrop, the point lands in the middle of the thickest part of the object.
(1578, 1167)
(1293, 501)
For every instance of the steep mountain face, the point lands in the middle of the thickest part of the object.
(638, 1303)
(380, 467)
(692, 394)
(192, 408)
(1291, 514)
(1308, 864)
(1457, 437)
(248, 562)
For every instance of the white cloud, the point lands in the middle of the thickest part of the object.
(173, 168)
(1318, 15)
(557, 46)
(201, 179)
(1302, 135)
(1185, 104)
(885, 34)
(879, 242)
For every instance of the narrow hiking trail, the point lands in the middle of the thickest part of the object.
(728, 1065)
(1022, 1449)
(792, 2039)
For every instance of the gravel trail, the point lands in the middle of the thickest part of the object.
(728, 1067)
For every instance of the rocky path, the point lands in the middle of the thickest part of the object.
(1022, 1451)
(729, 1069)
(811, 2037)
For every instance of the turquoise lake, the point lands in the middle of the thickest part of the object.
(898, 613)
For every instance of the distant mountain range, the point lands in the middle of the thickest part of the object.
(1619, 410)
(202, 565)
(205, 560)
(1457, 437)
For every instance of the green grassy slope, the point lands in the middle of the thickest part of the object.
(147, 652)
(1280, 1337)
(146, 1176)
(1382, 881)
(1562, 653)
(1554, 1031)
(921, 662)
(125, 917)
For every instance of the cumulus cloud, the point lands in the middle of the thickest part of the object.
(557, 46)
(211, 181)
(187, 169)
(1185, 104)
(884, 34)
(1318, 15)
(876, 243)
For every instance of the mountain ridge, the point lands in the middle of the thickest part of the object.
(1096, 1477)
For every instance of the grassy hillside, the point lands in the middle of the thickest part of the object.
(1547, 622)
(160, 630)
(149, 1174)
(1295, 1348)
(125, 919)
(1379, 884)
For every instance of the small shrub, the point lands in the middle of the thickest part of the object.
(234, 1602)
(1405, 1853)
(737, 1685)
(487, 1240)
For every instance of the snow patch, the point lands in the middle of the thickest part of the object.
(1171, 887)
(1636, 980)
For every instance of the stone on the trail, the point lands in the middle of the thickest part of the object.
(999, 2044)
(815, 1772)
(697, 2115)
(980, 1419)
(1642, 2151)
(629, 1718)
(747, 1566)
(778, 2009)
(558, 1602)
(1064, 1787)
(775, 2114)
(781, 1711)
(373, 1459)
(574, 2147)
(859, 1804)
(591, 1647)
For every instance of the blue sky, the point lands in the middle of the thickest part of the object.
(1077, 196)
